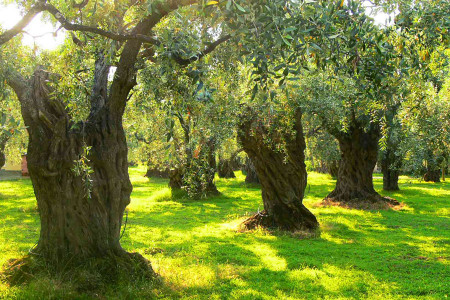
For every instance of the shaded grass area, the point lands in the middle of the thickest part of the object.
(196, 249)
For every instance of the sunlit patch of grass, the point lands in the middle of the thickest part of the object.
(199, 253)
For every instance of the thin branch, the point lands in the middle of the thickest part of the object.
(109, 34)
(209, 49)
(81, 4)
(142, 139)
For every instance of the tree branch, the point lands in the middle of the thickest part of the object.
(209, 49)
(9, 34)
(18, 83)
(109, 34)
(142, 139)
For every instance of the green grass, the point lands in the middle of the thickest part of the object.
(196, 249)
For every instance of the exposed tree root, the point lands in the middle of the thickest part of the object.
(85, 275)
(264, 220)
(369, 202)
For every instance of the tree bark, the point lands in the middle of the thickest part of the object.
(3, 140)
(432, 175)
(390, 178)
(390, 165)
(176, 179)
(81, 214)
(79, 173)
(79, 170)
(153, 171)
(283, 176)
(225, 168)
(250, 171)
(359, 154)
(211, 187)
(333, 168)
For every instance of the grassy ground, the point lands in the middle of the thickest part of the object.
(196, 249)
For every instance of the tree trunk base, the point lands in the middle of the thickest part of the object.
(212, 190)
(2, 160)
(86, 275)
(432, 176)
(225, 169)
(302, 221)
(366, 201)
(155, 172)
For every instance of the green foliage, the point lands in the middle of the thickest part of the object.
(195, 248)
(83, 169)
(427, 142)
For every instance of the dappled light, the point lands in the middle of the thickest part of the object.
(196, 246)
(229, 149)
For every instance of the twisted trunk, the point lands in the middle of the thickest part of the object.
(433, 172)
(282, 175)
(79, 172)
(359, 153)
(225, 168)
(176, 179)
(250, 171)
(81, 194)
(153, 171)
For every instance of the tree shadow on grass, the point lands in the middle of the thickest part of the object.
(359, 254)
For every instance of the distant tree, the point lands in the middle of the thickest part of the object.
(321, 147)
(427, 140)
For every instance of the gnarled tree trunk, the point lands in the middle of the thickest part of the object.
(176, 179)
(250, 172)
(359, 154)
(3, 140)
(225, 168)
(79, 172)
(282, 175)
(432, 175)
(157, 172)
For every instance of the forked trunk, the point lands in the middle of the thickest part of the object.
(80, 177)
(81, 194)
(282, 175)
(359, 153)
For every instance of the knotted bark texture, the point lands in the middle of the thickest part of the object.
(282, 175)
(81, 195)
(359, 154)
